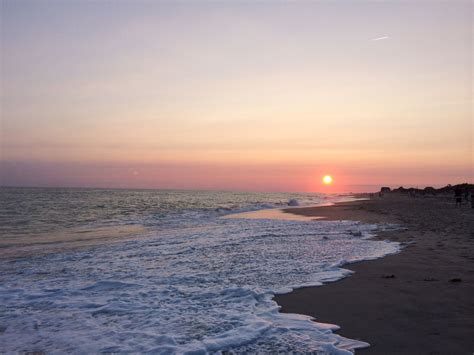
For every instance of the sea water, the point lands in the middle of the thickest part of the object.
(186, 281)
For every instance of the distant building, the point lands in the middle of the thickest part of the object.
(401, 190)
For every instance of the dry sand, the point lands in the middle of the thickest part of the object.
(420, 301)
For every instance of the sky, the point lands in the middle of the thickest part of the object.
(241, 95)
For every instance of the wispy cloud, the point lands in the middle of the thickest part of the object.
(379, 38)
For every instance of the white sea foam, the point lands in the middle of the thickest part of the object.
(206, 286)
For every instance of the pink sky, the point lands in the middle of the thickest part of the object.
(247, 96)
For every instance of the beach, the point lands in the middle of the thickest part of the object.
(188, 271)
(419, 301)
(236, 177)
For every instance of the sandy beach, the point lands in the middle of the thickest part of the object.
(419, 301)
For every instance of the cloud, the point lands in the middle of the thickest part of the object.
(379, 38)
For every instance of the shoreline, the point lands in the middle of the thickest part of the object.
(416, 301)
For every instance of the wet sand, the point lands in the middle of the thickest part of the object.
(420, 301)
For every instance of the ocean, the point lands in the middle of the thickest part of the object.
(92, 270)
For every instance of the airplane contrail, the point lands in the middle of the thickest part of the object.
(379, 38)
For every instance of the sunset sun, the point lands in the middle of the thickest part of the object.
(327, 179)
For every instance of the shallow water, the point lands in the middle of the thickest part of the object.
(192, 282)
